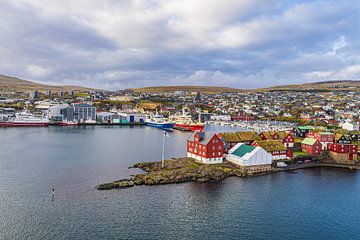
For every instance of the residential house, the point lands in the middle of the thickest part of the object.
(351, 126)
(275, 148)
(249, 157)
(233, 138)
(205, 147)
(343, 153)
(311, 146)
(286, 137)
(323, 137)
(342, 139)
(301, 131)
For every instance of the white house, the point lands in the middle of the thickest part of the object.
(351, 126)
(250, 157)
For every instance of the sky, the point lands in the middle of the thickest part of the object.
(117, 44)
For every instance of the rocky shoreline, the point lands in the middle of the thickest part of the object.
(177, 170)
(180, 170)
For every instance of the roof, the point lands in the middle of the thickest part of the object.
(269, 134)
(83, 105)
(309, 141)
(205, 137)
(240, 136)
(271, 145)
(242, 150)
(339, 135)
(325, 133)
(305, 127)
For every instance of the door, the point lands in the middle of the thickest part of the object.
(132, 118)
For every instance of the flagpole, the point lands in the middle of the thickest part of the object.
(163, 152)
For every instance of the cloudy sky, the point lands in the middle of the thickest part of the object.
(115, 44)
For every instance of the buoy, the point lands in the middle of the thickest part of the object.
(53, 194)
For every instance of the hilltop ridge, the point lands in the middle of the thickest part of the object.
(16, 84)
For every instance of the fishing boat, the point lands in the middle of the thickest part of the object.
(184, 122)
(25, 119)
(159, 121)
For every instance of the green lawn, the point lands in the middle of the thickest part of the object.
(300, 153)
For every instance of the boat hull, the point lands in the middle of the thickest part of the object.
(66, 124)
(24, 124)
(190, 127)
(160, 125)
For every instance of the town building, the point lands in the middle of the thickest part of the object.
(233, 138)
(286, 137)
(342, 139)
(83, 113)
(301, 131)
(251, 158)
(276, 148)
(350, 126)
(323, 137)
(343, 153)
(311, 146)
(205, 147)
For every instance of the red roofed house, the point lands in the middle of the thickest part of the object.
(343, 153)
(324, 138)
(205, 147)
(311, 146)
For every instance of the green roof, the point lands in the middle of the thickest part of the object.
(305, 127)
(309, 141)
(242, 150)
(325, 133)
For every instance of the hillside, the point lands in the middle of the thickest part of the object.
(339, 85)
(209, 89)
(19, 85)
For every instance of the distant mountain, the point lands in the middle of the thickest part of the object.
(15, 84)
(209, 89)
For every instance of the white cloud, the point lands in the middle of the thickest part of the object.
(36, 71)
(240, 43)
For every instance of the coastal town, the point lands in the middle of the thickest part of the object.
(274, 130)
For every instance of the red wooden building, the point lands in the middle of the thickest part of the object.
(343, 153)
(285, 137)
(311, 146)
(205, 147)
(324, 138)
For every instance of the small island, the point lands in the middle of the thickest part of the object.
(176, 170)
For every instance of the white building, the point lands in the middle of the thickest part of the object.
(351, 126)
(250, 157)
(220, 118)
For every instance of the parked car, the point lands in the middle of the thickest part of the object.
(281, 164)
(299, 162)
(307, 161)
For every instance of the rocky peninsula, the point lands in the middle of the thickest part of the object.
(176, 170)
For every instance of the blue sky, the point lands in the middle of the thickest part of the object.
(115, 44)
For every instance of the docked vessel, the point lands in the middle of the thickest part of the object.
(159, 121)
(184, 122)
(66, 124)
(25, 119)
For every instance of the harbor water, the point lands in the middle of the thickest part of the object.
(312, 204)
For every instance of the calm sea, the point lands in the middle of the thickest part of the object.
(312, 204)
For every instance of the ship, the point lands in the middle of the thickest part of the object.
(159, 121)
(66, 124)
(184, 122)
(25, 119)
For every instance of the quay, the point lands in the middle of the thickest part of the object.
(105, 124)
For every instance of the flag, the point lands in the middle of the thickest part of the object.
(166, 134)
